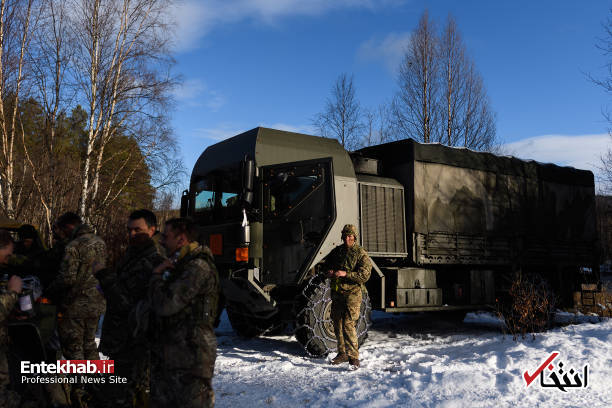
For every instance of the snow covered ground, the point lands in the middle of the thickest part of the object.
(417, 361)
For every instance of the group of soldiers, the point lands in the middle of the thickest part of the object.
(159, 304)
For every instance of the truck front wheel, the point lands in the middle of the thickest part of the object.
(315, 330)
(248, 324)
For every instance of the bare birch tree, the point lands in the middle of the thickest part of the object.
(15, 19)
(110, 56)
(477, 122)
(442, 97)
(605, 45)
(416, 106)
(386, 130)
(370, 137)
(49, 61)
(377, 125)
(468, 119)
(121, 64)
(341, 118)
(453, 70)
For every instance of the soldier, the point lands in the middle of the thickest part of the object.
(29, 254)
(124, 287)
(80, 301)
(183, 294)
(8, 398)
(349, 266)
(52, 260)
(29, 244)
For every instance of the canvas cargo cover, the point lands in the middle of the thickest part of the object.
(407, 150)
(473, 207)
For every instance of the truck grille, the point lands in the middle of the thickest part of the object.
(382, 219)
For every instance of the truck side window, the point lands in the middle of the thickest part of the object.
(229, 199)
(288, 188)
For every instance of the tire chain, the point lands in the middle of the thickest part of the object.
(314, 285)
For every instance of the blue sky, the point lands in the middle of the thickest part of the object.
(248, 63)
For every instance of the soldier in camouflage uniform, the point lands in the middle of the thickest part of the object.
(80, 301)
(183, 294)
(52, 259)
(349, 268)
(8, 398)
(124, 288)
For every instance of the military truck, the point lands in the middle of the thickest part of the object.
(447, 228)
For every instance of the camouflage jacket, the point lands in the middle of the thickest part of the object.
(7, 302)
(75, 286)
(124, 287)
(355, 261)
(183, 301)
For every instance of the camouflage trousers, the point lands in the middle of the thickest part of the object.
(78, 338)
(8, 398)
(345, 309)
(178, 388)
(132, 364)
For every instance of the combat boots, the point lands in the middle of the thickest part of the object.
(354, 363)
(339, 359)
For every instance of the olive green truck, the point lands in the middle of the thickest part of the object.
(448, 229)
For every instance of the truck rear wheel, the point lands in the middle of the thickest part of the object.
(315, 330)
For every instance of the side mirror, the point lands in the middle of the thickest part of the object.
(248, 176)
(185, 203)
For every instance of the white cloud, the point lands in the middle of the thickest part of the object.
(189, 89)
(390, 50)
(191, 22)
(194, 92)
(195, 18)
(215, 101)
(220, 132)
(581, 152)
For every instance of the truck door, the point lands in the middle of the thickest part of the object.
(298, 211)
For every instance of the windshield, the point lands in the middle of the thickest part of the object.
(216, 195)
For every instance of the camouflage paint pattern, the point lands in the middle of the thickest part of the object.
(355, 261)
(124, 288)
(183, 353)
(347, 293)
(8, 398)
(181, 389)
(345, 313)
(81, 303)
(78, 338)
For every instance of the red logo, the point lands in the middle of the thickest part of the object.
(530, 378)
(561, 379)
